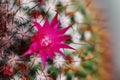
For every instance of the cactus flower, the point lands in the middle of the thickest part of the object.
(48, 40)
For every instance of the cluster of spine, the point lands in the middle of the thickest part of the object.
(88, 36)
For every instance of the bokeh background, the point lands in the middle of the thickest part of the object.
(113, 12)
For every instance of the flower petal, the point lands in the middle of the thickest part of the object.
(27, 52)
(56, 25)
(59, 45)
(43, 56)
(34, 38)
(37, 25)
(50, 54)
(62, 31)
(53, 22)
(60, 52)
(46, 24)
(61, 38)
(33, 48)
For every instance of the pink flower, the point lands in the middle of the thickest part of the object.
(48, 39)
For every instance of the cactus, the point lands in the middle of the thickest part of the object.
(32, 27)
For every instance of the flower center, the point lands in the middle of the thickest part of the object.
(45, 41)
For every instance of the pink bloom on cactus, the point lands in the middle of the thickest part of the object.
(48, 40)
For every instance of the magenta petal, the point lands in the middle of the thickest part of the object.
(60, 52)
(52, 31)
(53, 22)
(33, 48)
(56, 25)
(64, 46)
(37, 25)
(43, 56)
(61, 38)
(57, 50)
(50, 54)
(34, 37)
(27, 53)
(46, 24)
(62, 31)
